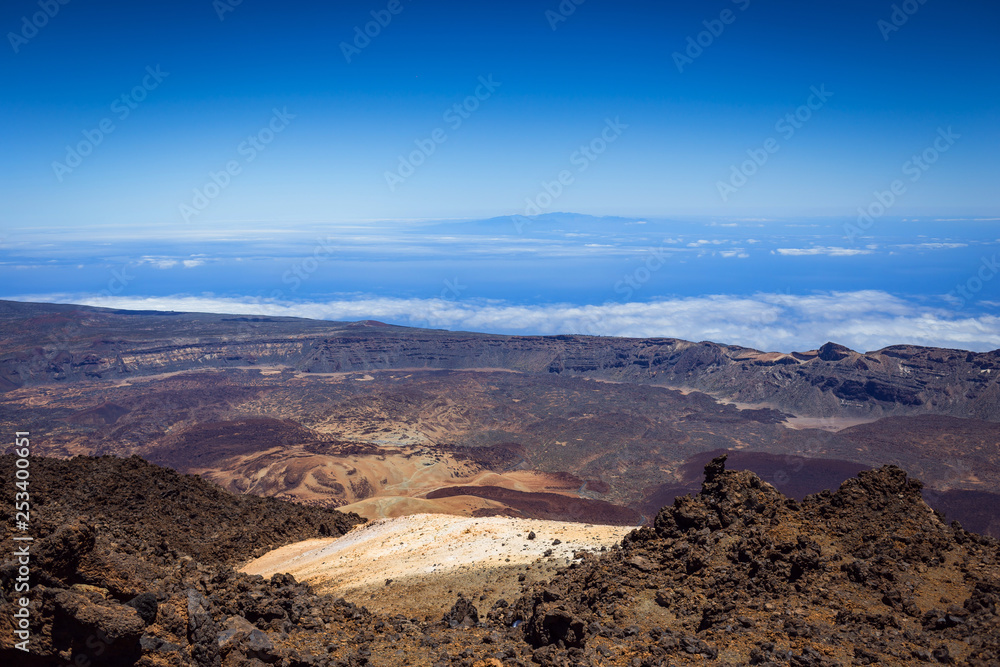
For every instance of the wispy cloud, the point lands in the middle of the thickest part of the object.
(169, 262)
(933, 246)
(159, 262)
(831, 251)
(862, 320)
(966, 219)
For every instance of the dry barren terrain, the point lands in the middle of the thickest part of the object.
(415, 565)
(389, 421)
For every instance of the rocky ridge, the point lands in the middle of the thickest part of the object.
(737, 574)
(47, 343)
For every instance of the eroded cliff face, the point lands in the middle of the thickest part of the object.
(47, 343)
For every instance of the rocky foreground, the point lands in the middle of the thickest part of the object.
(737, 574)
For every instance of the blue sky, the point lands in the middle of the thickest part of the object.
(183, 139)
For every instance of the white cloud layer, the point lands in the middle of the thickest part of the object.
(169, 263)
(832, 251)
(862, 320)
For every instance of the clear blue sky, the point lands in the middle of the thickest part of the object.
(556, 90)
(712, 157)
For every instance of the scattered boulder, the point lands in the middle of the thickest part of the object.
(462, 615)
(202, 631)
(146, 606)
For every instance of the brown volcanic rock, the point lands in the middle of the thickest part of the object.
(795, 476)
(182, 514)
(59, 554)
(77, 623)
(738, 574)
(959, 459)
(744, 575)
(110, 553)
(724, 500)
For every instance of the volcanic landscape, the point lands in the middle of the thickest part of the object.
(556, 500)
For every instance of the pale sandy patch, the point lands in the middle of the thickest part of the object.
(826, 423)
(429, 545)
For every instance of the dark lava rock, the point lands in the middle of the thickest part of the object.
(739, 561)
(255, 644)
(463, 614)
(146, 605)
(202, 631)
(58, 555)
(736, 571)
(555, 626)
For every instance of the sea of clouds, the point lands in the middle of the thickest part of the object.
(861, 320)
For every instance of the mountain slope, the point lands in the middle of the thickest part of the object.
(51, 343)
(738, 574)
